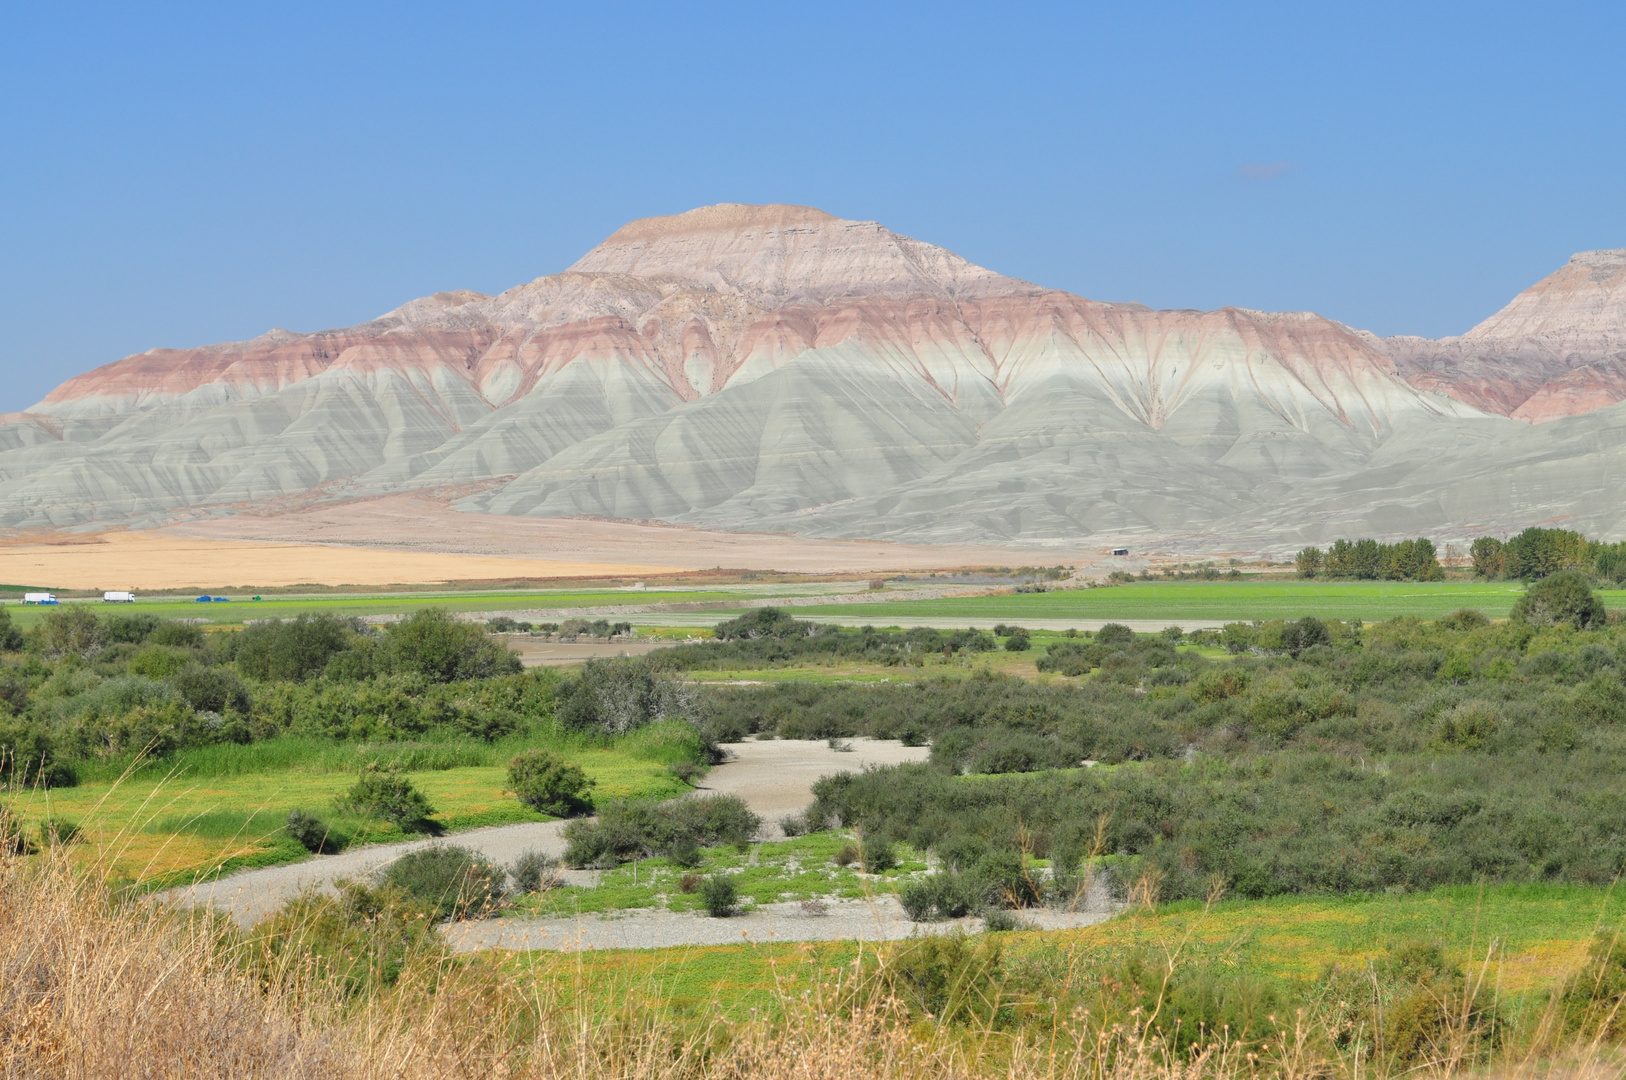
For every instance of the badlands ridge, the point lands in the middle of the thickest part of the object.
(776, 368)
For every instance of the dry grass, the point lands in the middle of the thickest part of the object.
(157, 560)
(92, 988)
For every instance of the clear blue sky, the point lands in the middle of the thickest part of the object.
(176, 175)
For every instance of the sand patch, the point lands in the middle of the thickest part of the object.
(419, 522)
(146, 561)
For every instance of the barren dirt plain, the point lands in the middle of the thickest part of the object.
(409, 539)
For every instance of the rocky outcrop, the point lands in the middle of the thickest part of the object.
(777, 367)
(1558, 349)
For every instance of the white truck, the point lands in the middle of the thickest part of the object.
(39, 598)
(118, 597)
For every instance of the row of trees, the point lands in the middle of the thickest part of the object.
(1368, 560)
(1538, 553)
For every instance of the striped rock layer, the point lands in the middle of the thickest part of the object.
(774, 367)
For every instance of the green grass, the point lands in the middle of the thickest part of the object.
(223, 807)
(796, 869)
(1206, 602)
(243, 607)
(1540, 934)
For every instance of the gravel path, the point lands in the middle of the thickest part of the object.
(773, 777)
(876, 919)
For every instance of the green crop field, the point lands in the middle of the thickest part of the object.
(1204, 602)
(240, 608)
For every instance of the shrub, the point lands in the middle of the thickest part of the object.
(720, 896)
(845, 855)
(358, 941)
(309, 830)
(1017, 642)
(1000, 921)
(452, 882)
(628, 829)
(210, 689)
(131, 629)
(386, 793)
(793, 824)
(949, 977)
(875, 855)
(1592, 999)
(613, 697)
(945, 895)
(293, 651)
(547, 784)
(178, 634)
(433, 644)
(919, 900)
(535, 871)
(58, 832)
(1564, 598)
(1115, 634)
(70, 630)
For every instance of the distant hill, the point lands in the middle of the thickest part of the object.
(774, 367)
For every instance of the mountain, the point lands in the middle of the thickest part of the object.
(774, 367)
(1558, 349)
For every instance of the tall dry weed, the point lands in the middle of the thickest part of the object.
(94, 988)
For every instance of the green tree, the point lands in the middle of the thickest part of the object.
(292, 651)
(1486, 553)
(70, 629)
(442, 649)
(11, 638)
(1309, 562)
(1561, 598)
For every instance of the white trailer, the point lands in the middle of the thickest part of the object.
(118, 597)
(39, 598)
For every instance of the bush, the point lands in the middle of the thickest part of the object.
(919, 900)
(547, 784)
(875, 855)
(626, 829)
(453, 882)
(58, 832)
(720, 896)
(386, 793)
(131, 629)
(292, 651)
(210, 689)
(70, 630)
(1017, 642)
(1115, 634)
(945, 895)
(950, 977)
(442, 649)
(535, 871)
(613, 697)
(1562, 599)
(360, 940)
(309, 830)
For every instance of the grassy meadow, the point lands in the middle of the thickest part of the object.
(222, 807)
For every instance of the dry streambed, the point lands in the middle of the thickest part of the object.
(773, 777)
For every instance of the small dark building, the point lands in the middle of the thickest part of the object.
(1120, 551)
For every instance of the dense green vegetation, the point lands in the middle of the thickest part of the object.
(1537, 553)
(1315, 757)
(309, 734)
(1368, 560)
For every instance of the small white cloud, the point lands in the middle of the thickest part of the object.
(1263, 170)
